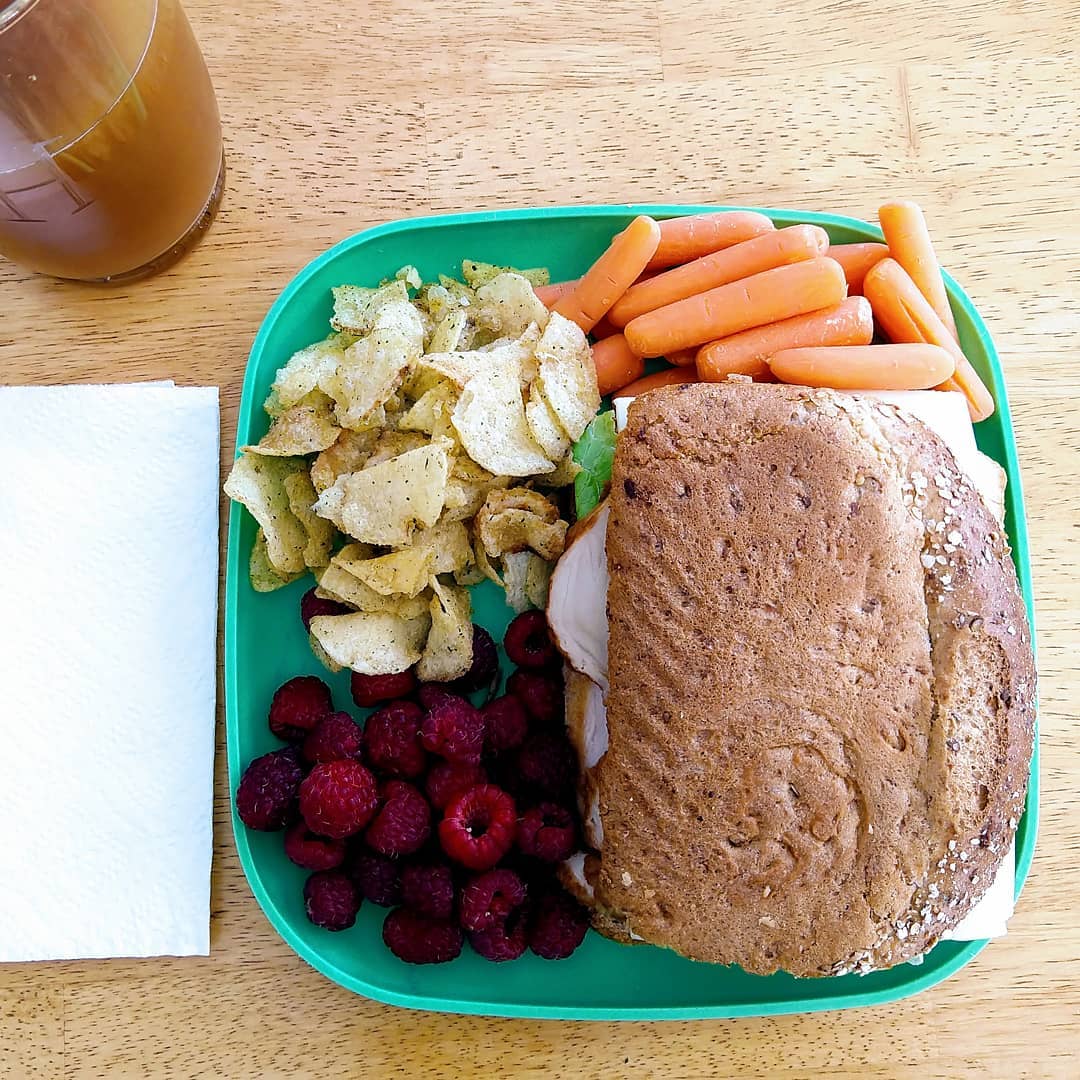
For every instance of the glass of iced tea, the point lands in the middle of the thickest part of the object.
(111, 163)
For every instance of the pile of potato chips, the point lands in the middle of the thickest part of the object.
(408, 457)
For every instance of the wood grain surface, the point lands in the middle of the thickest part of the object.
(339, 116)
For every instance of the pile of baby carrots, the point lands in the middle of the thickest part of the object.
(728, 293)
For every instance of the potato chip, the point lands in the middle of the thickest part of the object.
(448, 652)
(490, 420)
(372, 643)
(347, 455)
(322, 656)
(480, 273)
(410, 275)
(338, 584)
(356, 308)
(465, 494)
(526, 578)
(307, 370)
(431, 412)
(507, 306)
(564, 473)
(259, 484)
(520, 518)
(307, 427)
(449, 543)
(401, 573)
(390, 444)
(545, 427)
(509, 355)
(436, 301)
(264, 578)
(373, 367)
(472, 575)
(484, 564)
(384, 504)
(320, 532)
(451, 332)
(538, 581)
(515, 569)
(567, 377)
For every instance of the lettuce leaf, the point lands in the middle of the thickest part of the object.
(594, 452)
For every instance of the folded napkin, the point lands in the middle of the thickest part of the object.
(108, 601)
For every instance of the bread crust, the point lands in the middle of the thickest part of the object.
(821, 710)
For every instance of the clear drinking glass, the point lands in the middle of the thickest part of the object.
(111, 161)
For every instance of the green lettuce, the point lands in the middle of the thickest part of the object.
(594, 452)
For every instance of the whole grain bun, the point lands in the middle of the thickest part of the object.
(821, 699)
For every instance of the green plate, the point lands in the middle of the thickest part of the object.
(265, 644)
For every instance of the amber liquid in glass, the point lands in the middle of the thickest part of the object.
(112, 188)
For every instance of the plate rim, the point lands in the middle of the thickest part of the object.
(852, 998)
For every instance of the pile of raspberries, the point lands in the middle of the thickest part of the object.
(453, 816)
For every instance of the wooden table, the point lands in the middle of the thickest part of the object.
(361, 113)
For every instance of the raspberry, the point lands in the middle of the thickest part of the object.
(489, 898)
(267, 791)
(428, 889)
(449, 779)
(454, 730)
(503, 941)
(334, 737)
(431, 693)
(392, 740)
(377, 878)
(505, 724)
(298, 706)
(485, 663)
(338, 798)
(403, 822)
(313, 852)
(558, 926)
(528, 643)
(541, 695)
(547, 832)
(368, 690)
(479, 826)
(419, 940)
(547, 766)
(312, 605)
(331, 900)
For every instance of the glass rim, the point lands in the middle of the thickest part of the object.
(12, 9)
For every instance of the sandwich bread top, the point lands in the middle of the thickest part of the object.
(821, 682)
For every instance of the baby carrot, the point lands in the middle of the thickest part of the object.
(603, 329)
(668, 377)
(682, 357)
(904, 226)
(906, 316)
(686, 238)
(770, 249)
(616, 365)
(856, 259)
(849, 323)
(548, 294)
(612, 274)
(780, 293)
(864, 367)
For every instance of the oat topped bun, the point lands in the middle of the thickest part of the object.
(821, 686)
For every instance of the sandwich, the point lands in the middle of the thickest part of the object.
(800, 679)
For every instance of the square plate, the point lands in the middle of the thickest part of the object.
(265, 644)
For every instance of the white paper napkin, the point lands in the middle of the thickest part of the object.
(108, 601)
